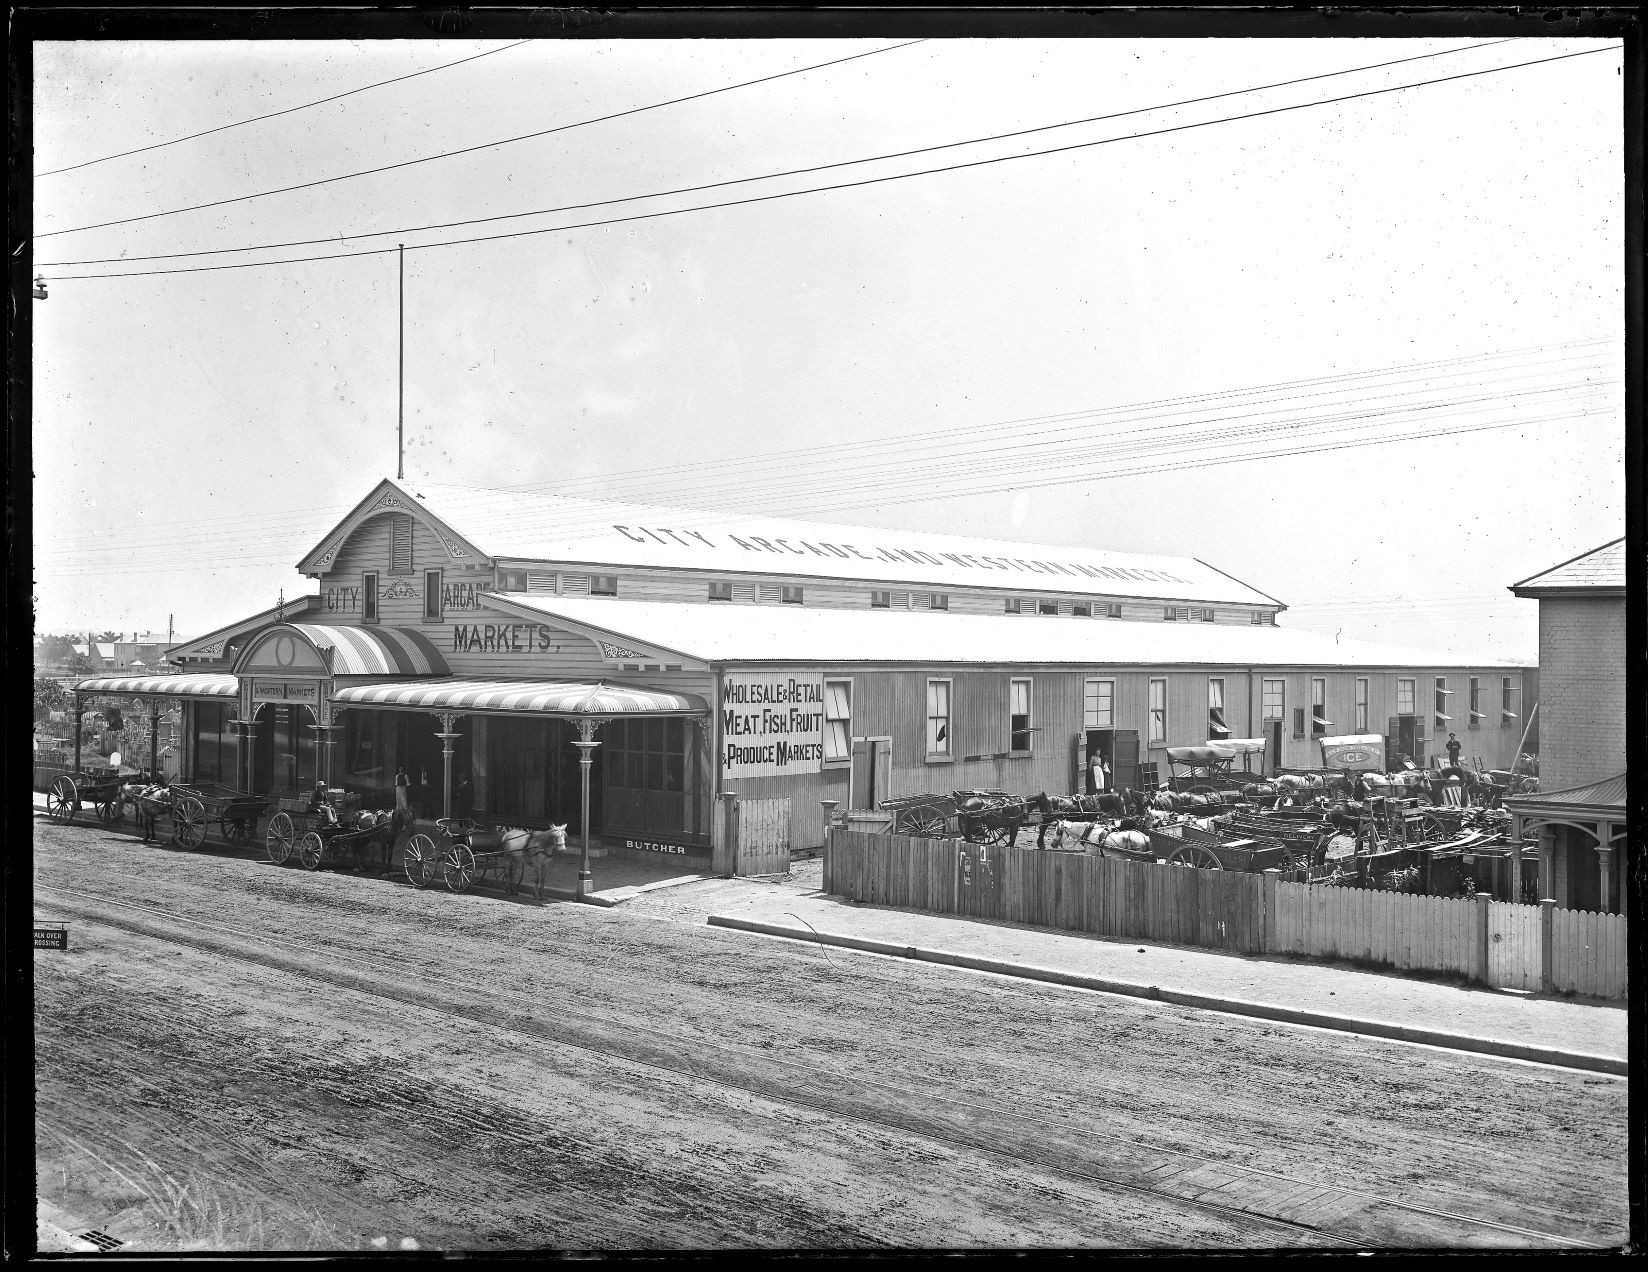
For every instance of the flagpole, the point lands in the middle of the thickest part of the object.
(400, 378)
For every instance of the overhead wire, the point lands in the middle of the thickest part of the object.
(769, 176)
(710, 496)
(487, 145)
(276, 114)
(845, 185)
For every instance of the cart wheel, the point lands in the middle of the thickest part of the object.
(189, 822)
(311, 848)
(418, 860)
(282, 835)
(928, 828)
(1197, 855)
(1001, 837)
(111, 809)
(62, 800)
(458, 867)
(234, 830)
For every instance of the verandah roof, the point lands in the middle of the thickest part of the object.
(201, 685)
(529, 697)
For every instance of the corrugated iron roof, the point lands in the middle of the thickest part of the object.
(531, 526)
(537, 697)
(203, 685)
(791, 633)
(1608, 793)
(1602, 567)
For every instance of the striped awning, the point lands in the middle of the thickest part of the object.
(529, 697)
(201, 685)
(376, 651)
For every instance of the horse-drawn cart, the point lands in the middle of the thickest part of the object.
(330, 828)
(1205, 770)
(470, 852)
(178, 804)
(922, 816)
(236, 812)
(99, 788)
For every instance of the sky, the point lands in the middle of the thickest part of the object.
(990, 351)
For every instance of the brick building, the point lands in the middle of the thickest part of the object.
(1580, 812)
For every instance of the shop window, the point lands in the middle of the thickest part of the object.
(1082, 609)
(1098, 699)
(1476, 703)
(1405, 695)
(881, 600)
(1361, 704)
(720, 591)
(432, 596)
(938, 719)
(1013, 605)
(1018, 723)
(1216, 726)
(400, 544)
(1319, 721)
(603, 585)
(1158, 713)
(838, 720)
(214, 755)
(647, 755)
(369, 597)
(791, 596)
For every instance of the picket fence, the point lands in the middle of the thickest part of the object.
(1514, 946)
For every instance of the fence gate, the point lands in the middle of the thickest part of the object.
(763, 837)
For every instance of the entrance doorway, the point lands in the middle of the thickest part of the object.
(1096, 743)
(283, 756)
(872, 772)
(1273, 744)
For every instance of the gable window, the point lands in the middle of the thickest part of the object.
(938, 600)
(1098, 697)
(1082, 609)
(369, 597)
(1019, 717)
(1014, 605)
(938, 719)
(431, 596)
(791, 596)
(1319, 721)
(1476, 703)
(1361, 704)
(720, 591)
(400, 544)
(603, 585)
(1158, 713)
(512, 580)
(838, 720)
(1216, 726)
(1404, 696)
(881, 600)
(1047, 607)
(1441, 710)
(1506, 702)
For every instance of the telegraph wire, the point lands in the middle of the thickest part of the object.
(276, 114)
(769, 176)
(487, 145)
(844, 185)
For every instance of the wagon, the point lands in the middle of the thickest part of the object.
(994, 818)
(300, 828)
(235, 812)
(182, 807)
(922, 816)
(461, 858)
(1204, 770)
(1186, 845)
(99, 788)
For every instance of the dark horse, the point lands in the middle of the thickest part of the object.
(986, 819)
(1065, 807)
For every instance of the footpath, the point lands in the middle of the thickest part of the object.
(1574, 1033)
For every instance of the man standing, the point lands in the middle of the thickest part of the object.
(1453, 751)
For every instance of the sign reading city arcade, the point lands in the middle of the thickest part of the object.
(772, 726)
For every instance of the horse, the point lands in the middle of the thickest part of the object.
(1053, 807)
(976, 814)
(521, 848)
(1104, 841)
(147, 803)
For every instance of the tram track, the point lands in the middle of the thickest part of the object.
(1295, 1209)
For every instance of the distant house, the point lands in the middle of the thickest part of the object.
(1580, 810)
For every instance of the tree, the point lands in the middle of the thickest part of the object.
(106, 638)
(49, 696)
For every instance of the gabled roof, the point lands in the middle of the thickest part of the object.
(522, 526)
(1599, 570)
(211, 645)
(730, 632)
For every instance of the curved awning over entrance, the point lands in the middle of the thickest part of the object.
(561, 698)
(342, 651)
(203, 685)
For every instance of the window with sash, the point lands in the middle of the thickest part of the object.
(1318, 707)
(938, 718)
(1158, 713)
(838, 720)
(1098, 697)
(1019, 717)
(1216, 726)
(1405, 693)
(431, 596)
(1475, 721)
(1272, 696)
(369, 597)
(1361, 704)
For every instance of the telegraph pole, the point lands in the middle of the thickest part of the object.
(400, 377)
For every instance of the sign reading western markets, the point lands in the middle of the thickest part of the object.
(847, 551)
(772, 726)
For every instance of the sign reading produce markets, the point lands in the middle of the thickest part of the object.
(772, 726)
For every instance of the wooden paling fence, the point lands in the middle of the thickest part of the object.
(763, 836)
(1498, 943)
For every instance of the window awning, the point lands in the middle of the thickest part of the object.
(1479, 715)
(560, 698)
(1510, 715)
(1326, 724)
(201, 685)
(1440, 716)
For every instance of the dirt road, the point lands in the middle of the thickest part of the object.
(237, 1055)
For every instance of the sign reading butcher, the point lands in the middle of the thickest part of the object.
(772, 726)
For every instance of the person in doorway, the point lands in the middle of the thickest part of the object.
(403, 793)
(463, 798)
(1101, 774)
(1453, 750)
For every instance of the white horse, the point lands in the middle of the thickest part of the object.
(1098, 840)
(536, 848)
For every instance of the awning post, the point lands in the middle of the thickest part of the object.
(447, 737)
(586, 745)
(79, 714)
(154, 741)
